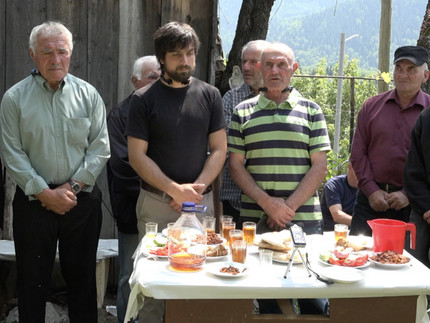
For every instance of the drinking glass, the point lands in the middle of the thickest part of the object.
(151, 229)
(249, 229)
(227, 218)
(265, 256)
(226, 227)
(340, 231)
(209, 223)
(238, 251)
(234, 235)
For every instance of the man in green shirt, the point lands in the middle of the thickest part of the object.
(54, 145)
(284, 139)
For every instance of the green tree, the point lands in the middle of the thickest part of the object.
(323, 91)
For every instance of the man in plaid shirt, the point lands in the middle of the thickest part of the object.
(251, 52)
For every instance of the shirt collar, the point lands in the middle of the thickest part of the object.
(417, 100)
(42, 82)
(289, 103)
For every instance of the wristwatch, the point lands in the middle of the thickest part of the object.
(76, 188)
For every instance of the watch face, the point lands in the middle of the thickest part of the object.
(76, 187)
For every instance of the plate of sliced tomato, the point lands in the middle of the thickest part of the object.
(345, 258)
(161, 252)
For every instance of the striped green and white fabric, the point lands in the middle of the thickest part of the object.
(277, 142)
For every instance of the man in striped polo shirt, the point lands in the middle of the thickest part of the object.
(278, 143)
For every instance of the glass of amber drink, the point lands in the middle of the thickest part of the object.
(233, 236)
(238, 251)
(249, 229)
(226, 218)
(226, 227)
(340, 231)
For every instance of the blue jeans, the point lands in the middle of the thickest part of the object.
(127, 244)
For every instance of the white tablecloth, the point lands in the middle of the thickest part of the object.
(153, 278)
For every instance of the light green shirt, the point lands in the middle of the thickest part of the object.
(48, 136)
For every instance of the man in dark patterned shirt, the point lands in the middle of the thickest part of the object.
(251, 52)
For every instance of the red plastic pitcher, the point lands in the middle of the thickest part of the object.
(390, 234)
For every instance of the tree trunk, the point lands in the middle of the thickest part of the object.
(253, 24)
(424, 40)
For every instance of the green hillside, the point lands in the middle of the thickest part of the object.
(312, 28)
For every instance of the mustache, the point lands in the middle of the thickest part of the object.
(184, 66)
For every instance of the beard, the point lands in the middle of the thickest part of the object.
(180, 74)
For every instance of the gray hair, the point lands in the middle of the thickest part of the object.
(49, 28)
(255, 44)
(140, 62)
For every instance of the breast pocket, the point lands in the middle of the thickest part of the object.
(77, 130)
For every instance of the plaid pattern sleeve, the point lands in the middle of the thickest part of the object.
(229, 190)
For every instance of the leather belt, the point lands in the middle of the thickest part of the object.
(389, 188)
(154, 190)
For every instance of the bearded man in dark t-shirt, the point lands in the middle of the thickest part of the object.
(171, 129)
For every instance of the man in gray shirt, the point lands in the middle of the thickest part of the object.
(54, 145)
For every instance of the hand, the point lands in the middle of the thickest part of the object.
(377, 201)
(59, 200)
(397, 200)
(187, 193)
(279, 213)
(426, 216)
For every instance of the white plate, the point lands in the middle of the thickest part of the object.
(367, 264)
(286, 262)
(146, 252)
(295, 262)
(390, 266)
(344, 275)
(214, 269)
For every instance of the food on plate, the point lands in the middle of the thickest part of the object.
(286, 256)
(217, 251)
(160, 241)
(390, 257)
(212, 238)
(346, 257)
(277, 241)
(231, 270)
(164, 251)
(344, 243)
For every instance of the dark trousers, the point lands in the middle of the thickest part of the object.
(36, 232)
(422, 241)
(363, 212)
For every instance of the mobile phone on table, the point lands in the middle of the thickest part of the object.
(298, 236)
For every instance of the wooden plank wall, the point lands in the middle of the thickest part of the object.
(108, 36)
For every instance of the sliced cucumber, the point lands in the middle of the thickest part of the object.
(160, 241)
(324, 256)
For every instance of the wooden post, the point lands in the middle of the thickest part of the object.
(384, 42)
